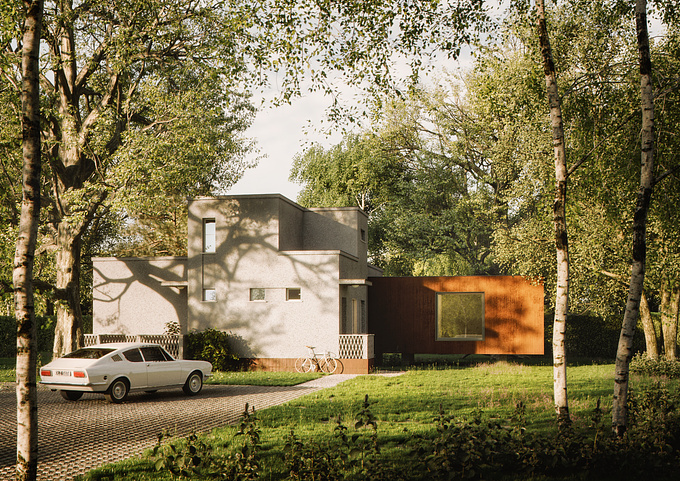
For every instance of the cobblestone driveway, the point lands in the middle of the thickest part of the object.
(75, 437)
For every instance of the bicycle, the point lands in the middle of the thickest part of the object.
(326, 363)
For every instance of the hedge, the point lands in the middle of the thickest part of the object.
(591, 337)
(8, 343)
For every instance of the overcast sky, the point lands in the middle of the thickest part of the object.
(280, 133)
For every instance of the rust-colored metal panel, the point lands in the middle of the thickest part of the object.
(401, 314)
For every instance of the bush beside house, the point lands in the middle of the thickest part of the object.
(215, 347)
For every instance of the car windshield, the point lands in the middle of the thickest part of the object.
(89, 353)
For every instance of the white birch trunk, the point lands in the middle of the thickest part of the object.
(26, 389)
(624, 351)
(560, 222)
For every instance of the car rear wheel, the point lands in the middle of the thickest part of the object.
(71, 395)
(118, 391)
(194, 384)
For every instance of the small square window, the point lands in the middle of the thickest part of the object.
(293, 294)
(257, 294)
(209, 295)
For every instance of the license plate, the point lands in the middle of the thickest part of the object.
(62, 373)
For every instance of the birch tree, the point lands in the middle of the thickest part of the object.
(559, 220)
(624, 351)
(26, 389)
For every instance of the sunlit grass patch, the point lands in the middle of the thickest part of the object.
(261, 378)
(7, 369)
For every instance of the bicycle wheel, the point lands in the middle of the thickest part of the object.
(303, 364)
(328, 364)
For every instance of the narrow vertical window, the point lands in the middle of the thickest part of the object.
(208, 235)
(343, 315)
(364, 327)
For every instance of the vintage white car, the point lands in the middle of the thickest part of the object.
(116, 369)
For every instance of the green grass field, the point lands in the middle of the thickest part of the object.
(404, 408)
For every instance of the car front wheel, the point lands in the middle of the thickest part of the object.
(194, 384)
(118, 391)
(71, 395)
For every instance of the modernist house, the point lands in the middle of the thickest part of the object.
(281, 277)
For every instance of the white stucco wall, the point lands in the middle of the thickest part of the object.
(138, 295)
(250, 233)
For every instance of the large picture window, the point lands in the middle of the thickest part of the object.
(460, 316)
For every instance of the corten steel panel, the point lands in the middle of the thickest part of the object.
(401, 314)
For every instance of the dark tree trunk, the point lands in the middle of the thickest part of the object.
(651, 340)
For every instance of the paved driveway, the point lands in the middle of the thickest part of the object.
(74, 437)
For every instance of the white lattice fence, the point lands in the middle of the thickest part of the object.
(356, 346)
(171, 342)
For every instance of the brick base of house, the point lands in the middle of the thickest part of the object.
(345, 366)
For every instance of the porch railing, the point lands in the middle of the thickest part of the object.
(356, 346)
(173, 343)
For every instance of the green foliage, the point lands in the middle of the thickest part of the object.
(246, 464)
(356, 172)
(591, 336)
(184, 459)
(479, 447)
(660, 367)
(431, 205)
(45, 333)
(8, 369)
(215, 347)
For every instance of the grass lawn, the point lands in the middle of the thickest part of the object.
(404, 408)
(7, 372)
(261, 378)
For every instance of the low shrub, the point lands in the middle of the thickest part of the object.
(644, 365)
(215, 347)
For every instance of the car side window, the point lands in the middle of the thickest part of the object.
(168, 357)
(133, 355)
(153, 354)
